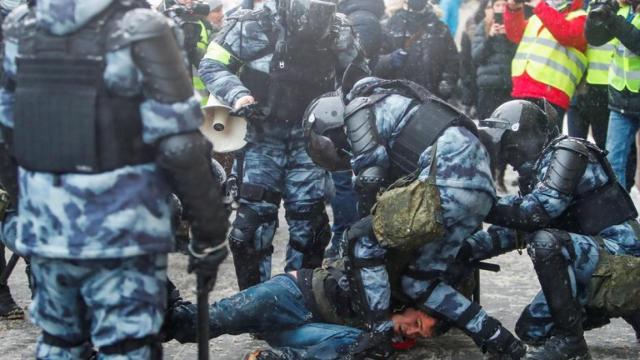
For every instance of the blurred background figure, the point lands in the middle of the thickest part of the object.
(417, 46)
(619, 25)
(492, 54)
(589, 105)
(216, 16)
(450, 14)
(550, 60)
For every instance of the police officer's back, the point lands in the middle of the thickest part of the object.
(104, 130)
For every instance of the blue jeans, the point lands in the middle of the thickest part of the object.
(343, 204)
(621, 136)
(276, 312)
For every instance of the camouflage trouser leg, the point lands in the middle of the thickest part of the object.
(278, 166)
(463, 212)
(535, 324)
(103, 302)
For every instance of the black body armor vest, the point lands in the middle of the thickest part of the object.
(298, 73)
(424, 127)
(66, 120)
(595, 210)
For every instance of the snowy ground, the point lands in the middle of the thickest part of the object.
(504, 295)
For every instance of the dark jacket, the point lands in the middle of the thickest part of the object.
(599, 34)
(365, 18)
(432, 53)
(492, 57)
(468, 88)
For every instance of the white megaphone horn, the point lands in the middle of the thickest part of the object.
(225, 132)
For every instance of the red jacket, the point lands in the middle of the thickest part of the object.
(569, 33)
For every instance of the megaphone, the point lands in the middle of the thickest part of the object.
(225, 132)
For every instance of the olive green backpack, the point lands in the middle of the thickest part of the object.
(408, 214)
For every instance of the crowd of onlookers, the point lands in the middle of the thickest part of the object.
(508, 49)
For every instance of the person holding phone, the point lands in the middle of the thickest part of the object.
(492, 53)
(550, 60)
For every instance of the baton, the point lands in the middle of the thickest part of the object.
(9, 269)
(204, 286)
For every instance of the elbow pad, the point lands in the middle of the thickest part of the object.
(157, 54)
(567, 166)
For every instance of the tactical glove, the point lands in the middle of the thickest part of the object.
(398, 58)
(445, 89)
(206, 263)
(601, 13)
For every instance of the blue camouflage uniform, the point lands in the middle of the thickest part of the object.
(581, 253)
(463, 178)
(98, 242)
(274, 164)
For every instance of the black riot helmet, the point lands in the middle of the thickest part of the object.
(521, 130)
(323, 125)
(308, 20)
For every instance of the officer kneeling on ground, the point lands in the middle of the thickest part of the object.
(396, 132)
(579, 226)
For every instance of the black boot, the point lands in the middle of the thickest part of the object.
(498, 342)
(8, 308)
(567, 342)
(634, 321)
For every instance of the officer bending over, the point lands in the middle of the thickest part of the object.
(397, 132)
(579, 226)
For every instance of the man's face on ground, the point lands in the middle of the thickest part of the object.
(413, 323)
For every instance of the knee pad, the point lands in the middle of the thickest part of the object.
(313, 248)
(547, 244)
(243, 232)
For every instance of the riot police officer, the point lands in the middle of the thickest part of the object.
(275, 61)
(578, 222)
(417, 46)
(8, 177)
(103, 124)
(396, 132)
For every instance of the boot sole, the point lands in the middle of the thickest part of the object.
(15, 314)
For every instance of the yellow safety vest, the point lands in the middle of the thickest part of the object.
(546, 60)
(198, 85)
(624, 71)
(599, 60)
